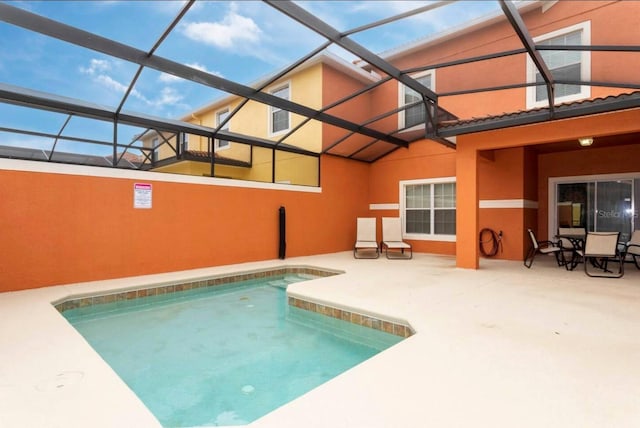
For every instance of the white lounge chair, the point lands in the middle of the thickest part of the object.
(366, 239)
(392, 239)
(599, 249)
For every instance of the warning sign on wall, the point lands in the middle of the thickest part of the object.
(142, 195)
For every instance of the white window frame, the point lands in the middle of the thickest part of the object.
(401, 103)
(216, 144)
(585, 66)
(423, 236)
(272, 110)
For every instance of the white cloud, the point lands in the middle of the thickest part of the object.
(226, 34)
(168, 96)
(96, 66)
(170, 78)
(109, 83)
(99, 69)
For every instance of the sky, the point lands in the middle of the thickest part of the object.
(242, 41)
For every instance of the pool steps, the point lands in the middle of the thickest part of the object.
(403, 330)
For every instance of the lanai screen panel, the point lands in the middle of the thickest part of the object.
(348, 144)
(374, 151)
(156, 63)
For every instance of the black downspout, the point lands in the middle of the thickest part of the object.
(282, 247)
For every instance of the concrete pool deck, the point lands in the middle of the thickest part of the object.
(502, 346)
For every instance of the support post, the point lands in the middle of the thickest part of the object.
(467, 206)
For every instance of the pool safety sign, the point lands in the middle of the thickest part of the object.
(142, 195)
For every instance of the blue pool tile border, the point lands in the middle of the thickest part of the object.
(397, 329)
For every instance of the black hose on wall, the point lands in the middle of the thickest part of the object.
(490, 242)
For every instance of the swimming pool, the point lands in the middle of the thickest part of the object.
(223, 355)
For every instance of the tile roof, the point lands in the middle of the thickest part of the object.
(204, 156)
(561, 111)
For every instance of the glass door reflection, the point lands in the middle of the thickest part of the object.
(598, 206)
(613, 207)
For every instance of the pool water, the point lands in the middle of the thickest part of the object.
(224, 356)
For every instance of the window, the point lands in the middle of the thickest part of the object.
(154, 144)
(415, 115)
(220, 117)
(429, 208)
(185, 142)
(563, 65)
(279, 119)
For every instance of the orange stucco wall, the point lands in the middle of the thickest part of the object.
(336, 86)
(69, 228)
(508, 175)
(423, 159)
(500, 37)
(494, 174)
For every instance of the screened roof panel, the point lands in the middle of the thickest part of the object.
(192, 54)
(134, 23)
(61, 68)
(22, 117)
(373, 151)
(20, 142)
(348, 146)
(441, 17)
(165, 95)
(242, 41)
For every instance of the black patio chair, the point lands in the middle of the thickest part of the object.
(631, 249)
(543, 247)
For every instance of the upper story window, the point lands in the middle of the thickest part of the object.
(415, 115)
(563, 65)
(185, 142)
(221, 116)
(154, 144)
(279, 120)
(429, 208)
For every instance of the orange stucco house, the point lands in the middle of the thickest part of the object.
(505, 162)
(507, 179)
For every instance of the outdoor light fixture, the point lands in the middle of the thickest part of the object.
(585, 141)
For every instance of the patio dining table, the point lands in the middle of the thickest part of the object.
(577, 240)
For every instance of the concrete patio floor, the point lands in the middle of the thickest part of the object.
(503, 346)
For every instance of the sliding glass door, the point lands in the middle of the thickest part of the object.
(600, 205)
(613, 207)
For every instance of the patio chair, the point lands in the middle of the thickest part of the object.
(543, 247)
(366, 239)
(632, 248)
(599, 249)
(392, 239)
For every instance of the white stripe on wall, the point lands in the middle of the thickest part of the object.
(508, 203)
(384, 206)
